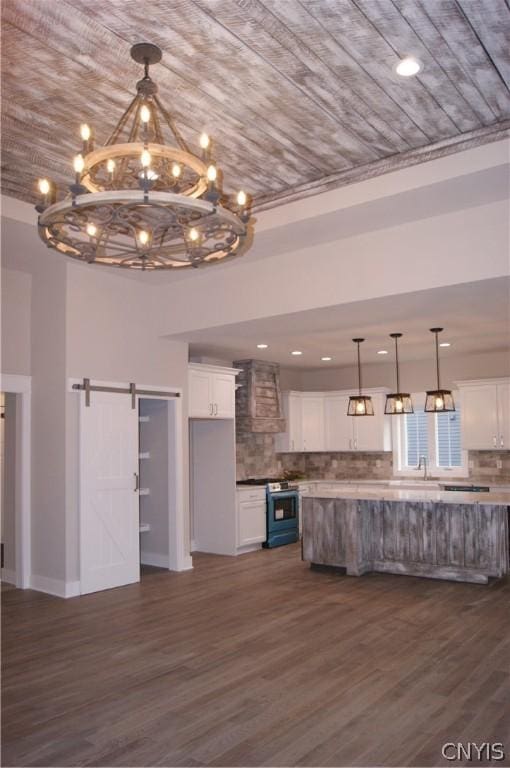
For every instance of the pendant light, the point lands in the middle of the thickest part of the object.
(438, 400)
(398, 402)
(359, 405)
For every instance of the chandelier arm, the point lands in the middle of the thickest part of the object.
(171, 124)
(122, 122)
(132, 134)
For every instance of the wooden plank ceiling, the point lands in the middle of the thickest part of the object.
(299, 95)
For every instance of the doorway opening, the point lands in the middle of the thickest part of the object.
(157, 479)
(15, 550)
(131, 485)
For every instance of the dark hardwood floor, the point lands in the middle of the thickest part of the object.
(255, 660)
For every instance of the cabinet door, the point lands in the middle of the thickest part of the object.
(504, 416)
(338, 427)
(295, 423)
(371, 433)
(251, 522)
(313, 423)
(479, 414)
(200, 400)
(291, 440)
(223, 396)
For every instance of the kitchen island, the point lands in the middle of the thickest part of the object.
(458, 536)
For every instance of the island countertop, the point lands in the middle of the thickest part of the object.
(499, 498)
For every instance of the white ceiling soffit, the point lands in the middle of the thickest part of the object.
(476, 318)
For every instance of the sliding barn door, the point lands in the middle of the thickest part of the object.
(109, 515)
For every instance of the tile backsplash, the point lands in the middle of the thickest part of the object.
(256, 457)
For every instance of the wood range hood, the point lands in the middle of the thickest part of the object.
(258, 397)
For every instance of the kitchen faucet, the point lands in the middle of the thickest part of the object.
(423, 462)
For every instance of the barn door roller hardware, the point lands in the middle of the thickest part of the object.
(131, 389)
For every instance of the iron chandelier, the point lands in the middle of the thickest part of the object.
(144, 200)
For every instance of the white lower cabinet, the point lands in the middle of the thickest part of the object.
(251, 517)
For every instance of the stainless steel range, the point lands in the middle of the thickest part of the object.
(282, 510)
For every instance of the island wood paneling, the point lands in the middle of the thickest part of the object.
(461, 542)
(299, 97)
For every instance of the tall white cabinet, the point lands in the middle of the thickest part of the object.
(485, 409)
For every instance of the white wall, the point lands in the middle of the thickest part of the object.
(48, 372)
(15, 318)
(111, 336)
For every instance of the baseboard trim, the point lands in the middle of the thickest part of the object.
(152, 558)
(55, 587)
(9, 576)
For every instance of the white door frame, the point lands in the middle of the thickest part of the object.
(178, 547)
(22, 386)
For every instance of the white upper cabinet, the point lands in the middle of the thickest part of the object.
(212, 392)
(318, 421)
(337, 425)
(372, 433)
(199, 393)
(291, 440)
(312, 407)
(224, 395)
(485, 414)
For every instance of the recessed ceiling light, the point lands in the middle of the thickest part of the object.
(382, 352)
(296, 352)
(326, 359)
(445, 344)
(262, 346)
(408, 67)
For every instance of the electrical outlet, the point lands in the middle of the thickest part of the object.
(499, 464)
(334, 464)
(378, 463)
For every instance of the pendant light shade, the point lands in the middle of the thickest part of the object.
(438, 400)
(359, 405)
(398, 402)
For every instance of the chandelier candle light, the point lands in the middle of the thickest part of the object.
(144, 200)
(438, 400)
(398, 402)
(360, 405)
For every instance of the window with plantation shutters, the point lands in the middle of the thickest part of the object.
(417, 438)
(437, 437)
(449, 453)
